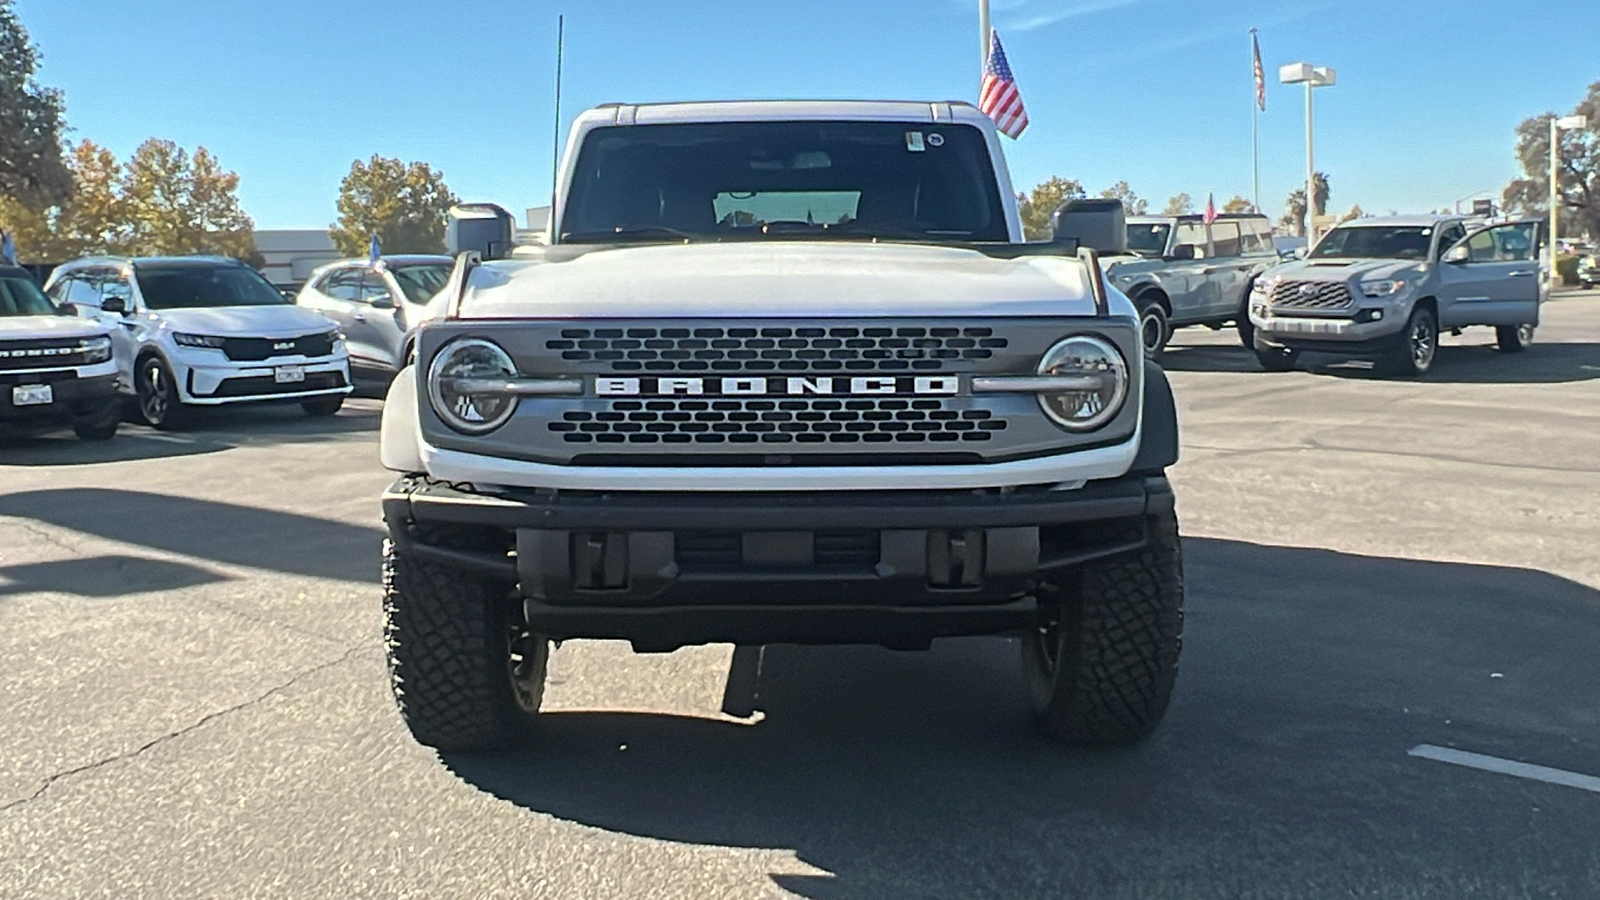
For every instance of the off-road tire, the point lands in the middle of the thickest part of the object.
(1247, 330)
(1155, 327)
(1101, 666)
(446, 638)
(1277, 359)
(103, 430)
(1406, 357)
(322, 407)
(1513, 338)
(153, 380)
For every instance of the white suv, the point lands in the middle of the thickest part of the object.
(206, 331)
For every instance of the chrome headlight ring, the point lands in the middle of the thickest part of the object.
(457, 370)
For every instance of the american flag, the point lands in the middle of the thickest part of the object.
(1260, 73)
(999, 98)
(1211, 208)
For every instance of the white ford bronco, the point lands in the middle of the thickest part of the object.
(784, 372)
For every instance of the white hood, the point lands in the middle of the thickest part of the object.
(276, 321)
(778, 280)
(32, 327)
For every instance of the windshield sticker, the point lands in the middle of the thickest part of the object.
(914, 142)
(936, 140)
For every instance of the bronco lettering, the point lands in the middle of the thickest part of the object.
(746, 386)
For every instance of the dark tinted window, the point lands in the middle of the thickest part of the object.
(775, 180)
(1225, 238)
(374, 288)
(341, 284)
(1451, 236)
(190, 285)
(19, 296)
(1147, 239)
(421, 282)
(1376, 242)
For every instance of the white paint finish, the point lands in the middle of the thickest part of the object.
(1506, 767)
(400, 437)
(30, 327)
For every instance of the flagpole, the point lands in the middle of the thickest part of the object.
(1255, 129)
(983, 33)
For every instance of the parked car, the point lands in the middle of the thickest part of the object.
(206, 331)
(54, 370)
(1385, 287)
(376, 304)
(1180, 271)
(1589, 271)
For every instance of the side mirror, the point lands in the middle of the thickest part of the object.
(115, 305)
(1457, 255)
(289, 295)
(1182, 251)
(382, 301)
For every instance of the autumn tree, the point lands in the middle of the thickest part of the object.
(1356, 212)
(1041, 203)
(404, 204)
(33, 171)
(1132, 203)
(1238, 205)
(179, 205)
(1529, 195)
(93, 219)
(1179, 205)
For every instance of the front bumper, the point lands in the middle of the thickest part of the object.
(1345, 333)
(75, 399)
(214, 385)
(663, 570)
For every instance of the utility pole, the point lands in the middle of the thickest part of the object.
(984, 32)
(1312, 77)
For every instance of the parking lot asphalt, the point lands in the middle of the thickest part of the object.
(194, 701)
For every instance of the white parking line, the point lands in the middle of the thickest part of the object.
(1507, 767)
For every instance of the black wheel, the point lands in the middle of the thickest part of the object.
(158, 395)
(1101, 665)
(1276, 359)
(319, 407)
(466, 672)
(102, 429)
(1414, 348)
(1155, 328)
(1247, 330)
(1513, 338)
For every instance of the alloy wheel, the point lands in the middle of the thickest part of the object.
(153, 399)
(1424, 343)
(527, 655)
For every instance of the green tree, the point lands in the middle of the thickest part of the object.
(1041, 203)
(33, 169)
(1132, 203)
(1529, 195)
(93, 218)
(404, 204)
(178, 204)
(1238, 205)
(1179, 204)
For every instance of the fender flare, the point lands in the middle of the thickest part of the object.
(1158, 433)
(399, 436)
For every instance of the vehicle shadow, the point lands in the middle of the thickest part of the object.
(222, 532)
(1281, 770)
(104, 576)
(1476, 363)
(210, 431)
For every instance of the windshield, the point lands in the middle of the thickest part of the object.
(19, 296)
(420, 282)
(780, 180)
(187, 286)
(1376, 242)
(1148, 239)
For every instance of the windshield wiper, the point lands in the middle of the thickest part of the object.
(629, 235)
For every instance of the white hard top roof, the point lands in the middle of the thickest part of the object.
(787, 110)
(1423, 221)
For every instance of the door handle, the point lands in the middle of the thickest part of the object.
(1209, 270)
(1518, 274)
(358, 317)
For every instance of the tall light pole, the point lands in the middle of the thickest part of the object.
(1312, 77)
(983, 32)
(1556, 126)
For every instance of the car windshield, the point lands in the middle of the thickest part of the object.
(1375, 242)
(1147, 239)
(784, 180)
(188, 285)
(19, 296)
(421, 281)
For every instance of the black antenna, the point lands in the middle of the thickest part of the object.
(555, 150)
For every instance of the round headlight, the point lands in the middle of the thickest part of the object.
(1104, 374)
(454, 385)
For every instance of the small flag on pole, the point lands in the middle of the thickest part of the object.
(998, 97)
(375, 248)
(8, 250)
(1211, 209)
(1260, 73)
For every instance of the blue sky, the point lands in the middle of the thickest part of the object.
(288, 92)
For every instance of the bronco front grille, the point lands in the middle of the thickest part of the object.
(41, 354)
(1311, 295)
(769, 349)
(802, 420)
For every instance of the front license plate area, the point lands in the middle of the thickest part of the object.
(289, 374)
(1306, 326)
(32, 395)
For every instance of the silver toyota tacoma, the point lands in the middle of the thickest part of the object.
(784, 372)
(1385, 288)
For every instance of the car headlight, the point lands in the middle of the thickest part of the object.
(1383, 288)
(95, 349)
(1263, 286)
(1102, 376)
(456, 400)
(196, 340)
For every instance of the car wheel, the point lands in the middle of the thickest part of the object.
(1414, 348)
(1101, 664)
(466, 671)
(321, 407)
(1155, 328)
(1247, 329)
(1513, 338)
(1277, 359)
(103, 428)
(158, 395)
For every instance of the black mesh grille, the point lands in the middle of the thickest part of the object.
(257, 349)
(897, 349)
(41, 354)
(810, 420)
(1311, 295)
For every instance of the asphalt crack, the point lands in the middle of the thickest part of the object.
(188, 729)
